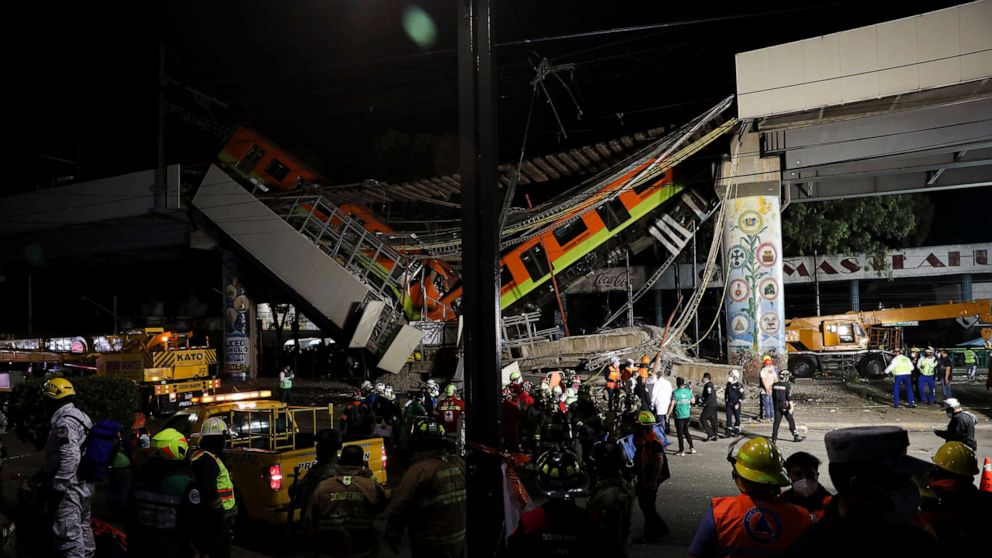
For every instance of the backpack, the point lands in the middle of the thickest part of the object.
(101, 445)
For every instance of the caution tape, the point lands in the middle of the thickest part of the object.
(512, 460)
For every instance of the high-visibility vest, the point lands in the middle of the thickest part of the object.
(612, 378)
(969, 357)
(225, 488)
(745, 527)
(903, 366)
(285, 381)
(928, 365)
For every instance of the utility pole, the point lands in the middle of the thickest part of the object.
(816, 280)
(630, 291)
(480, 242)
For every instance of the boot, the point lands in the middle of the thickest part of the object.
(797, 437)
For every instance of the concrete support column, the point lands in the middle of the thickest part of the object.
(240, 333)
(855, 295)
(966, 292)
(752, 251)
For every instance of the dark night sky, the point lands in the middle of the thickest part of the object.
(327, 78)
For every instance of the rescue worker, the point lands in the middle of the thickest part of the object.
(413, 412)
(970, 364)
(768, 376)
(927, 387)
(901, 369)
(286, 384)
(339, 515)
(357, 420)
(628, 371)
(961, 427)
(513, 421)
(755, 522)
(877, 502)
(613, 382)
(651, 466)
(682, 400)
(368, 393)
(733, 399)
(328, 444)
(661, 396)
(449, 411)
(806, 491)
(557, 527)
(430, 499)
(387, 414)
(585, 422)
(216, 490)
(70, 496)
(532, 421)
(516, 378)
(945, 371)
(432, 392)
(166, 503)
(914, 377)
(707, 400)
(610, 503)
(961, 515)
(554, 432)
(782, 401)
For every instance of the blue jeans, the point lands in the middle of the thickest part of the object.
(766, 406)
(906, 380)
(946, 387)
(928, 389)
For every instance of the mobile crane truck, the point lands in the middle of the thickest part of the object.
(863, 341)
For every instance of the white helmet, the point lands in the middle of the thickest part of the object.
(213, 426)
(556, 391)
(380, 388)
(952, 403)
(615, 361)
(388, 393)
(734, 376)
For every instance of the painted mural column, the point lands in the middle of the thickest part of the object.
(752, 251)
(240, 337)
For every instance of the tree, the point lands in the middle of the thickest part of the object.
(870, 226)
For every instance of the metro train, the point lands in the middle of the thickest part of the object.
(524, 268)
(261, 161)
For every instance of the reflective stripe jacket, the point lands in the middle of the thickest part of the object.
(63, 449)
(218, 491)
(165, 512)
(431, 501)
(341, 511)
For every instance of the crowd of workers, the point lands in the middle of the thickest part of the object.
(606, 449)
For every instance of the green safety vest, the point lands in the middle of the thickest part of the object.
(286, 383)
(969, 357)
(225, 488)
(928, 366)
(903, 366)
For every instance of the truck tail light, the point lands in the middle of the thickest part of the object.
(384, 457)
(275, 477)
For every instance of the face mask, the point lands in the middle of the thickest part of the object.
(804, 487)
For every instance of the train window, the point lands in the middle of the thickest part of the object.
(276, 170)
(505, 277)
(613, 214)
(570, 232)
(251, 158)
(643, 187)
(536, 262)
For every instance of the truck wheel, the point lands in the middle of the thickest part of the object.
(872, 367)
(802, 367)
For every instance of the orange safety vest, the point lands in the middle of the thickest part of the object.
(745, 527)
(612, 378)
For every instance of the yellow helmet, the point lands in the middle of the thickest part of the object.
(956, 458)
(170, 444)
(646, 418)
(758, 460)
(57, 388)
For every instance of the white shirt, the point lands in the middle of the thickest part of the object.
(661, 397)
(768, 377)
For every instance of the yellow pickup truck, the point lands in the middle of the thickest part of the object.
(271, 447)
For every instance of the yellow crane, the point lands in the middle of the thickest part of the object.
(862, 340)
